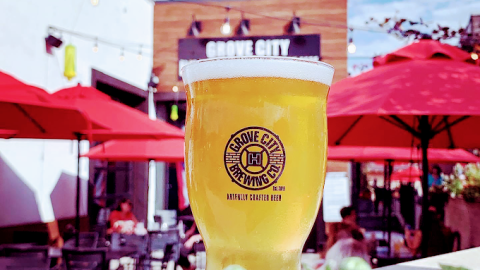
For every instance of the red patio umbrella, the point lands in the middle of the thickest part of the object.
(121, 121)
(7, 134)
(166, 150)
(426, 93)
(32, 113)
(399, 154)
(410, 174)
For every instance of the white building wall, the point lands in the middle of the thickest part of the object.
(30, 169)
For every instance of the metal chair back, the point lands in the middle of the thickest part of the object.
(86, 240)
(85, 259)
(200, 256)
(22, 263)
(31, 252)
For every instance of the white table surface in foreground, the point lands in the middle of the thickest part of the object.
(469, 258)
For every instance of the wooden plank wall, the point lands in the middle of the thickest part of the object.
(172, 21)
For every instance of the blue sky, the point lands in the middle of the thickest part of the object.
(452, 13)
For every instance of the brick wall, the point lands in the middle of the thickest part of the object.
(172, 21)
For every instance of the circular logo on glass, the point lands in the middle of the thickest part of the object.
(254, 158)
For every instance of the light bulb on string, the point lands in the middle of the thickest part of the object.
(351, 46)
(95, 46)
(94, 2)
(226, 28)
(474, 55)
(293, 27)
(122, 56)
(244, 27)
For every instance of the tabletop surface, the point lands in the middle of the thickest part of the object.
(469, 258)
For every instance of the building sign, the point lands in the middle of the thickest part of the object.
(301, 46)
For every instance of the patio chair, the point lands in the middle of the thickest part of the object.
(200, 256)
(86, 240)
(28, 258)
(167, 241)
(85, 259)
(21, 263)
(32, 252)
(31, 237)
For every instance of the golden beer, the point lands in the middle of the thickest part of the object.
(256, 144)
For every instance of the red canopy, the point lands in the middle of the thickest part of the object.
(7, 134)
(30, 112)
(122, 121)
(166, 150)
(411, 174)
(402, 154)
(382, 107)
(426, 92)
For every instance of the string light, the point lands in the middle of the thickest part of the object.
(134, 49)
(226, 28)
(122, 56)
(195, 27)
(293, 27)
(95, 46)
(244, 27)
(351, 46)
(175, 88)
(474, 55)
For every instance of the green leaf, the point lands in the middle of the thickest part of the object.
(449, 267)
(354, 263)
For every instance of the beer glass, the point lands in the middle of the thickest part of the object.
(256, 144)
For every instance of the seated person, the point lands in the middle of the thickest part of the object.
(192, 236)
(348, 228)
(349, 217)
(121, 219)
(413, 240)
(440, 238)
(341, 230)
(343, 249)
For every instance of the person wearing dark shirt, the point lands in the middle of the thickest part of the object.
(407, 203)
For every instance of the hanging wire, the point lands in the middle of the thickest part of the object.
(132, 49)
(307, 22)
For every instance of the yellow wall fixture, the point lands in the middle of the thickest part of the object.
(174, 113)
(70, 55)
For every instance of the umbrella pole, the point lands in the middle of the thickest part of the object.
(390, 201)
(425, 140)
(385, 177)
(77, 213)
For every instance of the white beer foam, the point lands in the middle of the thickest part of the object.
(235, 67)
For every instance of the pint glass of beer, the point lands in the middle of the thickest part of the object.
(256, 145)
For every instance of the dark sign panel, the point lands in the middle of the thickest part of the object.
(301, 46)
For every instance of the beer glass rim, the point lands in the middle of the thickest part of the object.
(277, 59)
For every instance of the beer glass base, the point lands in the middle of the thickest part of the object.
(234, 259)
